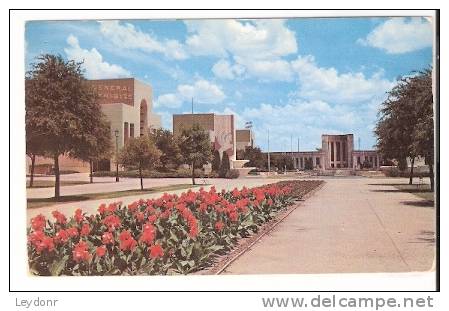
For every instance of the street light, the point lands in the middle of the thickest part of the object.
(116, 155)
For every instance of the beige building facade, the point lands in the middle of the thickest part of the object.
(220, 128)
(336, 152)
(244, 138)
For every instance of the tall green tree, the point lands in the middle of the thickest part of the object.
(256, 157)
(216, 161)
(98, 145)
(195, 147)
(140, 152)
(168, 145)
(225, 166)
(405, 125)
(64, 107)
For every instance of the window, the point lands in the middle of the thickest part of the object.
(332, 151)
(317, 161)
(126, 133)
(338, 151)
(131, 130)
(345, 156)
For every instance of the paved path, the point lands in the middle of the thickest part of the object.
(350, 225)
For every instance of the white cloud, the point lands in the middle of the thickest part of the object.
(400, 35)
(258, 46)
(127, 36)
(327, 84)
(223, 69)
(169, 101)
(95, 66)
(258, 39)
(269, 70)
(202, 92)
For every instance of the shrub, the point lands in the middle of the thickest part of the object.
(171, 234)
(232, 174)
(225, 165)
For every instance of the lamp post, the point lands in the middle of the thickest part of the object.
(116, 156)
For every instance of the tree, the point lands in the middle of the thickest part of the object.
(284, 161)
(195, 147)
(140, 152)
(168, 145)
(409, 103)
(216, 161)
(98, 145)
(225, 165)
(255, 156)
(64, 111)
(33, 148)
(423, 144)
(308, 164)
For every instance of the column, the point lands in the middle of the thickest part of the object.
(341, 154)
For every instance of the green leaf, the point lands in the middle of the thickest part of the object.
(57, 267)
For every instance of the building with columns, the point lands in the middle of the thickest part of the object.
(336, 152)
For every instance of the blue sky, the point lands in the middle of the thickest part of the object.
(299, 78)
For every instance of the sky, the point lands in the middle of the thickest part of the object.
(296, 78)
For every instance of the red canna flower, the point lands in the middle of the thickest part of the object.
(100, 251)
(112, 222)
(156, 251)
(219, 225)
(81, 252)
(60, 218)
(127, 242)
(72, 232)
(107, 238)
(148, 234)
(61, 236)
(85, 230)
(38, 223)
(41, 242)
(102, 209)
(79, 217)
(152, 218)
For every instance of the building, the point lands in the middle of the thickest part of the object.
(336, 152)
(244, 138)
(220, 128)
(127, 104)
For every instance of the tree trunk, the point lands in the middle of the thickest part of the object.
(141, 178)
(431, 175)
(193, 173)
(412, 162)
(33, 161)
(91, 171)
(57, 176)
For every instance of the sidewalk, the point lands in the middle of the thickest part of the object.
(350, 225)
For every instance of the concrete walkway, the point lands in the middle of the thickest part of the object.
(350, 225)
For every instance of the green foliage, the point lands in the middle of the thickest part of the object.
(216, 161)
(406, 125)
(308, 164)
(225, 165)
(62, 115)
(168, 145)
(284, 161)
(255, 156)
(195, 147)
(141, 153)
(232, 174)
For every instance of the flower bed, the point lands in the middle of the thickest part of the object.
(171, 234)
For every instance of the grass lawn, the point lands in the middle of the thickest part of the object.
(39, 202)
(422, 191)
(37, 183)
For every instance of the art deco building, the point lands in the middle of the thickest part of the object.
(337, 152)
